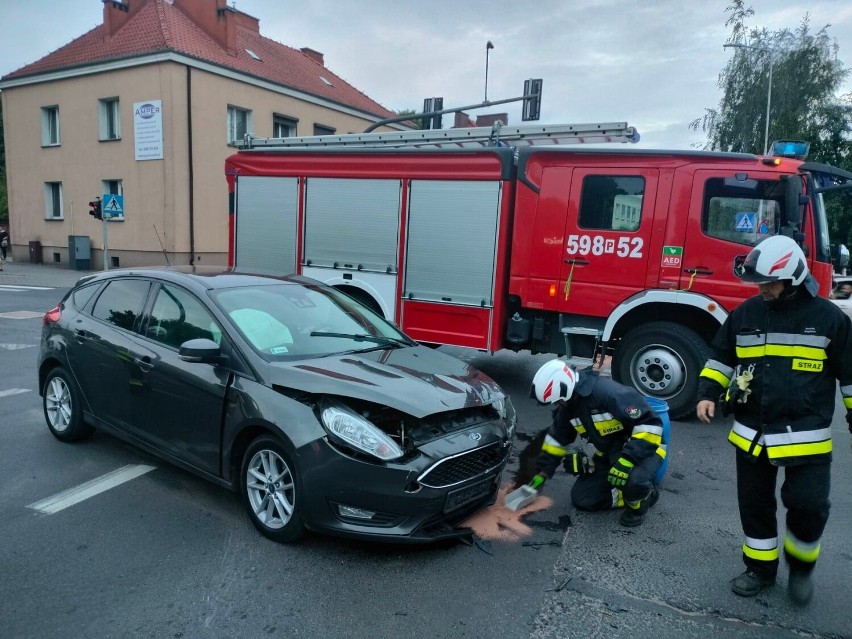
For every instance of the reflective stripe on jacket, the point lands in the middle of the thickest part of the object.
(624, 424)
(795, 350)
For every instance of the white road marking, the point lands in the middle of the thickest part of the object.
(21, 315)
(14, 391)
(82, 492)
(16, 347)
(19, 287)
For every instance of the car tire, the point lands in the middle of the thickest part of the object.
(663, 360)
(62, 411)
(270, 490)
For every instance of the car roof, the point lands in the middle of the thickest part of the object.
(199, 277)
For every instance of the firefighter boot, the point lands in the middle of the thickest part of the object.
(800, 588)
(635, 516)
(751, 583)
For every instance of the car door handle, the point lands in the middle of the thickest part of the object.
(82, 335)
(144, 363)
(698, 270)
(579, 261)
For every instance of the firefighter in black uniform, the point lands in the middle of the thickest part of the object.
(776, 360)
(623, 440)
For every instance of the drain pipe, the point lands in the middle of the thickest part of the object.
(189, 157)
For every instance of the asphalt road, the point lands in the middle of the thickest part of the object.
(169, 555)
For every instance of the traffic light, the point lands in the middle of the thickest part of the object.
(532, 104)
(430, 105)
(95, 209)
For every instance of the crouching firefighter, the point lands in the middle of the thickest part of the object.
(775, 363)
(622, 436)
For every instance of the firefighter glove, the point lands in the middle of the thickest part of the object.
(537, 482)
(578, 464)
(619, 472)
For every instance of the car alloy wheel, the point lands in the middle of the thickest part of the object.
(62, 408)
(269, 490)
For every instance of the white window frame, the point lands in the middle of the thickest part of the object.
(109, 112)
(53, 208)
(50, 126)
(283, 124)
(235, 136)
(113, 187)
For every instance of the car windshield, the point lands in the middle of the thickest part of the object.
(291, 321)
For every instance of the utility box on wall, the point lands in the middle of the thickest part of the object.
(80, 252)
(35, 252)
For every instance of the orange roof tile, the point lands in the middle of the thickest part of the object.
(162, 26)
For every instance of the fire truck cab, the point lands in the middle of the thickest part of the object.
(524, 244)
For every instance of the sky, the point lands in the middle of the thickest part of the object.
(653, 64)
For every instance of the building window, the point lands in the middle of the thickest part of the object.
(283, 126)
(53, 200)
(320, 129)
(110, 120)
(239, 123)
(113, 187)
(50, 126)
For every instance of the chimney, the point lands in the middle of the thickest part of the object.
(219, 20)
(463, 120)
(116, 15)
(316, 56)
(491, 118)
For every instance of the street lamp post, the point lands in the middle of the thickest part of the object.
(768, 92)
(488, 48)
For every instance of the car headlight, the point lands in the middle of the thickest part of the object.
(349, 426)
(506, 409)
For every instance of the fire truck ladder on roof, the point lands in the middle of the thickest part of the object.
(496, 135)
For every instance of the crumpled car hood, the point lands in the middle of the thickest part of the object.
(415, 380)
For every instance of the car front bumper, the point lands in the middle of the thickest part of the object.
(389, 502)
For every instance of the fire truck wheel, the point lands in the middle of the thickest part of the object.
(663, 360)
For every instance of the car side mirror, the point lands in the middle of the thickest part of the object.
(201, 350)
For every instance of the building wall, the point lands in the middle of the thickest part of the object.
(156, 192)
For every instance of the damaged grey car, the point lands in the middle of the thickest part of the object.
(319, 412)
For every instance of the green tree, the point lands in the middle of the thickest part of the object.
(805, 103)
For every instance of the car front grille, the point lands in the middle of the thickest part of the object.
(460, 468)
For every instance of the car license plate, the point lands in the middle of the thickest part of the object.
(460, 497)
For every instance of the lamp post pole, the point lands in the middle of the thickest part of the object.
(768, 92)
(488, 48)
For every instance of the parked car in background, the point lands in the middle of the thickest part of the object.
(841, 293)
(321, 413)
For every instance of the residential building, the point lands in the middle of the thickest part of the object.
(147, 105)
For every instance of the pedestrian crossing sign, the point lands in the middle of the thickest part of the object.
(745, 223)
(113, 205)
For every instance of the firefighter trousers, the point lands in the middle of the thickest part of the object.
(804, 494)
(594, 492)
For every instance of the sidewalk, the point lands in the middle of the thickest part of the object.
(25, 274)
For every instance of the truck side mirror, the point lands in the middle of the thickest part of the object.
(793, 200)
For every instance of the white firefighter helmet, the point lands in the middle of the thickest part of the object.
(776, 259)
(554, 381)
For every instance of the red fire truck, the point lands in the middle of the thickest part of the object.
(522, 238)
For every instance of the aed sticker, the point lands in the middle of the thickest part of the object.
(808, 365)
(672, 256)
